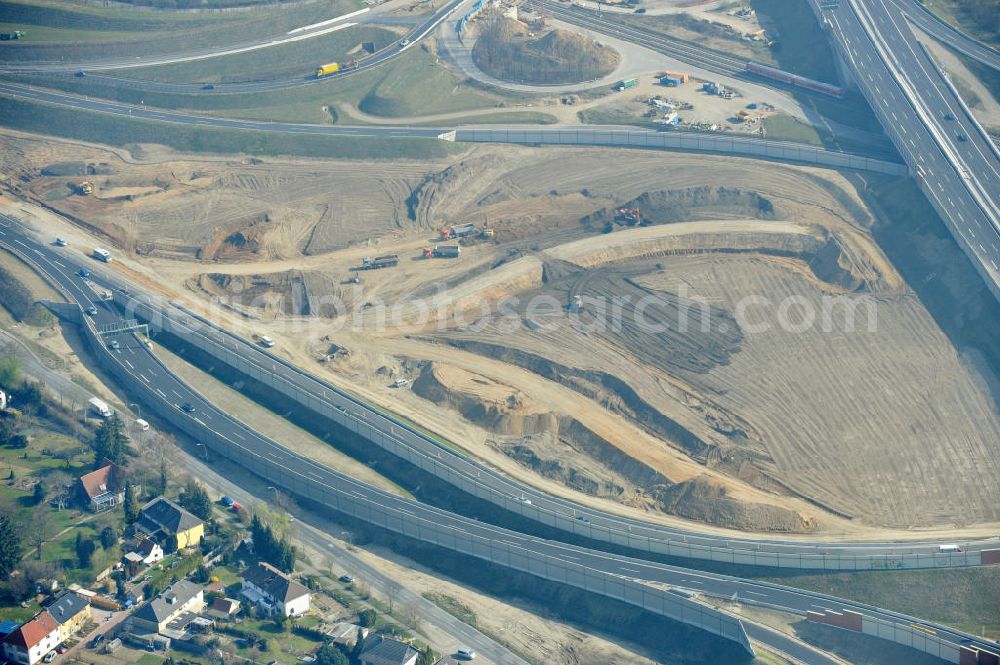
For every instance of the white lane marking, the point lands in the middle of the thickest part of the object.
(144, 379)
(128, 363)
(162, 394)
(320, 24)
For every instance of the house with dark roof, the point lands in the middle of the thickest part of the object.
(161, 518)
(29, 643)
(71, 611)
(273, 591)
(102, 489)
(224, 608)
(382, 650)
(180, 597)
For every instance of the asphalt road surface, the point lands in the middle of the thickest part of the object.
(959, 167)
(64, 267)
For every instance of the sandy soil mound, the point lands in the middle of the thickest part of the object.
(507, 50)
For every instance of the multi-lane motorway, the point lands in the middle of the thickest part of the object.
(956, 164)
(63, 266)
(922, 17)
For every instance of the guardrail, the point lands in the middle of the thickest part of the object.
(694, 142)
(334, 492)
(418, 449)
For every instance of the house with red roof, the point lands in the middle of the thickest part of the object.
(32, 640)
(104, 488)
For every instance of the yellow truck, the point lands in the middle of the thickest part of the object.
(332, 68)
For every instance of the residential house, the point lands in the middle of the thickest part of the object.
(182, 596)
(273, 591)
(162, 518)
(102, 489)
(381, 650)
(29, 643)
(8, 627)
(346, 634)
(71, 611)
(149, 550)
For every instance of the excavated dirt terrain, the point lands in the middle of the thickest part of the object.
(697, 394)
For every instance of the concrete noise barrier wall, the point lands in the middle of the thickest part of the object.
(418, 449)
(333, 490)
(695, 142)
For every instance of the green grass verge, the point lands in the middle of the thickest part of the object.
(409, 86)
(119, 131)
(965, 598)
(786, 128)
(286, 61)
(800, 44)
(453, 607)
(77, 32)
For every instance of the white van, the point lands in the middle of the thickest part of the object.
(949, 548)
(141, 425)
(102, 255)
(465, 653)
(266, 342)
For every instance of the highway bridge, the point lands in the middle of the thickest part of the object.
(656, 587)
(956, 163)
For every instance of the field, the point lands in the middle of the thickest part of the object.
(796, 429)
(55, 29)
(412, 86)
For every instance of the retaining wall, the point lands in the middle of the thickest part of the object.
(695, 142)
(428, 455)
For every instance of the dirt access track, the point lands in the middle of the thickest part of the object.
(865, 422)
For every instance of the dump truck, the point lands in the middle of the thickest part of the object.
(459, 231)
(100, 407)
(387, 261)
(626, 84)
(446, 251)
(325, 70)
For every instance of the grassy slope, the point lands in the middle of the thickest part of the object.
(115, 130)
(953, 12)
(968, 599)
(412, 85)
(57, 30)
(293, 60)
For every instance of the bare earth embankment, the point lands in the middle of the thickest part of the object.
(699, 394)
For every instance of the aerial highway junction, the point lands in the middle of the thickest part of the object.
(655, 586)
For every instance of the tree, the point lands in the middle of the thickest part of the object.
(10, 542)
(111, 442)
(39, 528)
(85, 549)
(367, 618)
(277, 552)
(131, 508)
(10, 371)
(427, 656)
(38, 496)
(8, 429)
(195, 499)
(330, 654)
(109, 537)
(163, 477)
(201, 574)
(29, 397)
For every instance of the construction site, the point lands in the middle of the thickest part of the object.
(465, 294)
